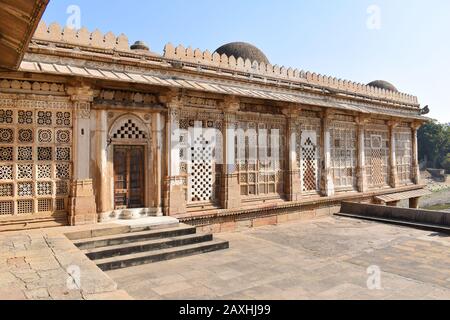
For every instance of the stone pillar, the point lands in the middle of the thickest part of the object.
(292, 172)
(327, 182)
(393, 176)
(361, 168)
(174, 182)
(157, 153)
(415, 153)
(393, 204)
(414, 203)
(230, 189)
(82, 205)
(105, 201)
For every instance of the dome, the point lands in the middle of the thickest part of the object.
(243, 50)
(383, 85)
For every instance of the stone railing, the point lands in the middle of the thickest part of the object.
(55, 33)
(207, 58)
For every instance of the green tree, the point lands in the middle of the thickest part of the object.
(446, 163)
(434, 143)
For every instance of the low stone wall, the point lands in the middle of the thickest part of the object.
(263, 217)
(400, 214)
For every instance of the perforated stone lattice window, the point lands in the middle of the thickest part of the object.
(25, 136)
(129, 130)
(6, 208)
(6, 154)
(25, 117)
(6, 116)
(25, 172)
(377, 156)
(44, 171)
(45, 205)
(35, 160)
(44, 118)
(403, 153)
(25, 206)
(45, 136)
(25, 153)
(201, 179)
(344, 154)
(6, 190)
(45, 153)
(198, 157)
(259, 157)
(6, 135)
(309, 162)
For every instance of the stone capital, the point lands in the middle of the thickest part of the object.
(292, 111)
(393, 124)
(82, 93)
(362, 119)
(172, 97)
(416, 125)
(230, 104)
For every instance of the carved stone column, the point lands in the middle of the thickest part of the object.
(361, 168)
(393, 176)
(157, 148)
(327, 183)
(292, 173)
(82, 205)
(230, 189)
(174, 182)
(415, 153)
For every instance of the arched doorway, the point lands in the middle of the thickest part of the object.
(129, 144)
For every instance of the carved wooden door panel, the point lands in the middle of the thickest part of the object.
(129, 185)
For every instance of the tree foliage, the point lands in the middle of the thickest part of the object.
(434, 144)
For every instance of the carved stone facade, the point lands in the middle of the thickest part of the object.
(213, 138)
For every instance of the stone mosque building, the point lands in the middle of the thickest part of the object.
(93, 129)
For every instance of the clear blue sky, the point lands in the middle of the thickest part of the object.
(411, 49)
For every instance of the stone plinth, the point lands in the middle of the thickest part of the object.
(174, 196)
(231, 192)
(82, 206)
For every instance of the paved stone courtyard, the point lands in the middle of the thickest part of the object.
(43, 265)
(321, 259)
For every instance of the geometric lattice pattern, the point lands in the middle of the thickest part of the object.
(129, 130)
(344, 154)
(35, 160)
(201, 173)
(310, 165)
(259, 154)
(403, 153)
(377, 157)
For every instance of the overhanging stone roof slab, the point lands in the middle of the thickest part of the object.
(218, 88)
(403, 195)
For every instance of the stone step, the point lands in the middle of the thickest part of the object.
(130, 237)
(143, 246)
(422, 226)
(136, 259)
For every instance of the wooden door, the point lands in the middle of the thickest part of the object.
(129, 177)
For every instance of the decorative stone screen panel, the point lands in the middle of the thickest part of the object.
(344, 157)
(308, 154)
(201, 143)
(403, 153)
(35, 160)
(259, 156)
(377, 156)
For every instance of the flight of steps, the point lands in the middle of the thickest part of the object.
(143, 245)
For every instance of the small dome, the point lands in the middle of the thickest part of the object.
(383, 85)
(243, 50)
(140, 45)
